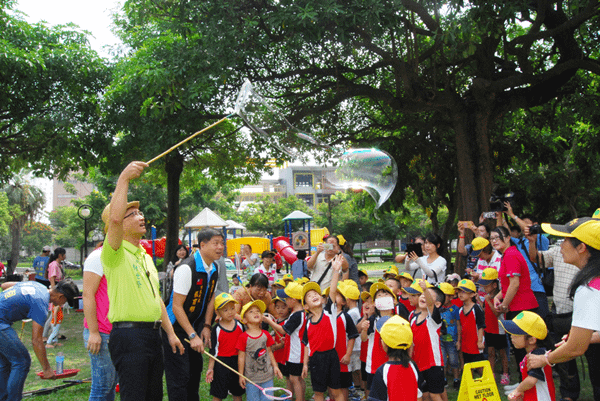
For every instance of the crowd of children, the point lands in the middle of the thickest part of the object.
(395, 339)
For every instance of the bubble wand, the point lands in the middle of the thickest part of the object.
(288, 393)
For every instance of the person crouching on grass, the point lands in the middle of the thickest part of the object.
(527, 330)
(255, 357)
(320, 337)
(398, 379)
(224, 337)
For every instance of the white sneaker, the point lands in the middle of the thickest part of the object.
(511, 387)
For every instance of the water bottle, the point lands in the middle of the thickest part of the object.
(60, 360)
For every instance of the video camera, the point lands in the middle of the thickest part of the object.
(497, 201)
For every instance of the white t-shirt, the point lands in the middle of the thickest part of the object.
(586, 306)
(270, 273)
(318, 270)
(434, 272)
(182, 279)
(354, 313)
(93, 263)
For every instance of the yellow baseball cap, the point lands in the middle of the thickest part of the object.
(380, 286)
(391, 270)
(260, 304)
(446, 288)
(415, 288)
(223, 299)
(526, 323)
(365, 295)
(280, 283)
(405, 275)
(363, 271)
(292, 290)
(585, 229)
(348, 282)
(287, 277)
(487, 276)
(396, 333)
(311, 285)
(349, 291)
(478, 244)
(302, 280)
(326, 292)
(466, 286)
(276, 298)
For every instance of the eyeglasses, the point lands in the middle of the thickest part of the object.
(134, 213)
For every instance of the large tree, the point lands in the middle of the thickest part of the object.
(400, 73)
(50, 85)
(27, 202)
(164, 89)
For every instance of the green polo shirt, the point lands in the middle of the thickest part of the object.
(132, 281)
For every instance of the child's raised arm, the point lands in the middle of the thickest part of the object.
(337, 269)
(277, 327)
(428, 297)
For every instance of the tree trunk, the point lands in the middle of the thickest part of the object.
(474, 162)
(174, 168)
(15, 231)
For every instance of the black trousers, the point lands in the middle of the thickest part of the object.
(183, 372)
(137, 356)
(570, 386)
(593, 359)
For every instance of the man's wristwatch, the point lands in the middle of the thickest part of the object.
(192, 336)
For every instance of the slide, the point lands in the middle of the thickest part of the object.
(282, 245)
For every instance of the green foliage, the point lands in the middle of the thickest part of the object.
(50, 86)
(35, 236)
(5, 215)
(68, 227)
(25, 202)
(266, 215)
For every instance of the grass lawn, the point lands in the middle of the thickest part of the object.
(76, 356)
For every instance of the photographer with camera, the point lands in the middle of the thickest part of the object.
(530, 223)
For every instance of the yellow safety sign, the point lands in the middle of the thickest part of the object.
(480, 389)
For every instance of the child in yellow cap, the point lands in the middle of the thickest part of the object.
(256, 360)
(320, 336)
(224, 337)
(398, 378)
(495, 337)
(527, 330)
(292, 329)
(472, 323)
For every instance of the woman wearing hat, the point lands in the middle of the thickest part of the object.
(581, 247)
(516, 294)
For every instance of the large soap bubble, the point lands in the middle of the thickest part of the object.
(269, 123)
(373, 170)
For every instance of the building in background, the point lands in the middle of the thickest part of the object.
(63, 197)
(308, 183)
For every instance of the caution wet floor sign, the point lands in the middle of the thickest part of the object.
(481, 389)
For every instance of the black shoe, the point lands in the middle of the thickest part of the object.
(456, 384)
(62, 337)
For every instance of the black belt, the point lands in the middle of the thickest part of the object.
(137, 325)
